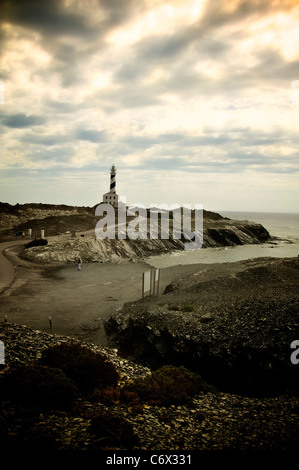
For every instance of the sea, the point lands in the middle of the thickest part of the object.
(283, 228)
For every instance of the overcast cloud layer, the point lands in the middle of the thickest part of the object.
(194, 101)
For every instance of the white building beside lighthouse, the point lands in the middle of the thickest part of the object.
(111, 197)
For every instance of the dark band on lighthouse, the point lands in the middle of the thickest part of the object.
(112, 180)
(111, 197)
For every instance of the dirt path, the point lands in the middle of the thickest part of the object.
(7, 270)
(79, 302)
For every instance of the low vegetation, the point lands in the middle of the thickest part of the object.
(76, 381)
(37, 242)
(85, 367)
(169, 385)
(38, 387)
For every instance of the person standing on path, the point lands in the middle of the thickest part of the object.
(79, 262)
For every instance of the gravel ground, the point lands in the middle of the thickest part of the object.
(211, 421)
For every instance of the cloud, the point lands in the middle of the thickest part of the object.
(45, 140)
(181, 89)
(50, 18)
(21, 120)
(218, 13)
(94, 136)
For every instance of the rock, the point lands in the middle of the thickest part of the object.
(209, 422)
(237, 338)
(61, 222)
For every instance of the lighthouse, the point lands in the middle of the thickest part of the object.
(113, 180)
(111, 197)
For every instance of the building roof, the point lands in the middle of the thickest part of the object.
(110, 193)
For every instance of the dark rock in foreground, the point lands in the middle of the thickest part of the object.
(233, 324)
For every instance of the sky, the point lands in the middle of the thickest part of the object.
(193, 101)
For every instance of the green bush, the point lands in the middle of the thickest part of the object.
(187, 308)
(37, 242)
(112, 431)
(169, 385)
(38, 386)
(87, 368)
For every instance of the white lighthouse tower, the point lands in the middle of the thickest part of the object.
(111, 197)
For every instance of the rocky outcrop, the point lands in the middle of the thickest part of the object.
(71, 234)
(227, 232)
(91, 249)
(234, 328)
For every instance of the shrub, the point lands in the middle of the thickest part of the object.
(116, 395)
(24, 439)
(37, 385)
(112, 431)
(37, 242)
(87, 368)
(187, 308)
(169, 385)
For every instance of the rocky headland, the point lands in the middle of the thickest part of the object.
(70, 232)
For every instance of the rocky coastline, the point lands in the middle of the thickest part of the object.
(70, 232)
(233, 323)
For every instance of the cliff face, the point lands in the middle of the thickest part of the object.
(226, 232)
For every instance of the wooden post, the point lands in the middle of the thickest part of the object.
(158, 281)
(153, 282)
(142, 285)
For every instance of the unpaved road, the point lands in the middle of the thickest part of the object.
(6, 267)
(78, 302)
